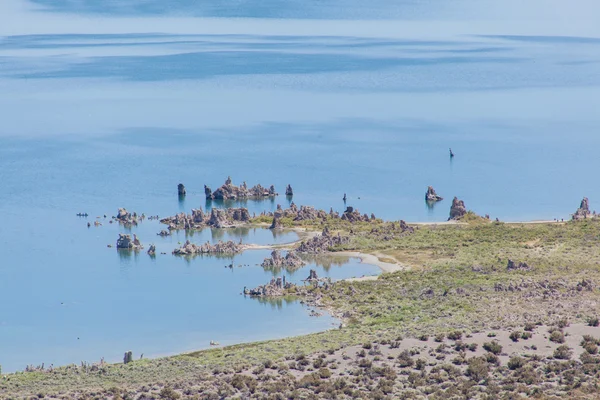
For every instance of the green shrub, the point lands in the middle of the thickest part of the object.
(424, 338)
(563, 352)
(405, 359)
(456, 335)
(593, 321)
(168, 393)
(591, 348)
(515, 336)
(325, 373)
(473, 347)
(529, 327)
(526, 335)
(493, 347)
(515, 363)
(557, 336)
(478, 369)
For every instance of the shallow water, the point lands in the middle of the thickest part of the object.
(107, 104)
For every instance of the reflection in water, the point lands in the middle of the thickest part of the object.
(181, 203)
(326, 261)
(430, 206)
(276, 302)
(239, 203)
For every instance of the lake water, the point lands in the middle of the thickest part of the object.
(107, 104)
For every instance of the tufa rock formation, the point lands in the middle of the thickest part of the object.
(322, 243)
(290, 261)
(457, 210)
(431, 195)
(124, 242)
(217, 218)
(181, 189)
(152, 250)
(228, 247)
(275, 288)
(289, 191)
(583, 211)
(126, 218)
(353, 215)
(231, 192)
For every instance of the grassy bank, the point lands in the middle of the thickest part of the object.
(457, 281)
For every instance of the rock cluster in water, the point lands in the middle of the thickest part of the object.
(583, 211)
(290, 261)
(231, 192)
(189, 248)
(432, 196)
(127, 218)
(322, 243)
(275, 288)
(217, 218)
(457, 210)
(125, 242)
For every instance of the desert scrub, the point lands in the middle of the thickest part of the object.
(515, 336)
(557, 336)
(562, 352)
(493, 347)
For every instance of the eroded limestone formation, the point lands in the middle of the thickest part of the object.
(125, 242)
(457, 210)
(189, 248)
(583, 211)
(231, 192)
(353, 215)
(217, 218)
(276, 287)
(290, 261)
(431, 195)
(126, 218)
(322, 243)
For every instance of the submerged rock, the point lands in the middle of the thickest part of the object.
(431, 195)
(290, 261)
(457, 210)
(583, 211)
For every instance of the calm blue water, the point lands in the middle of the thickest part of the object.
(107, 104)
